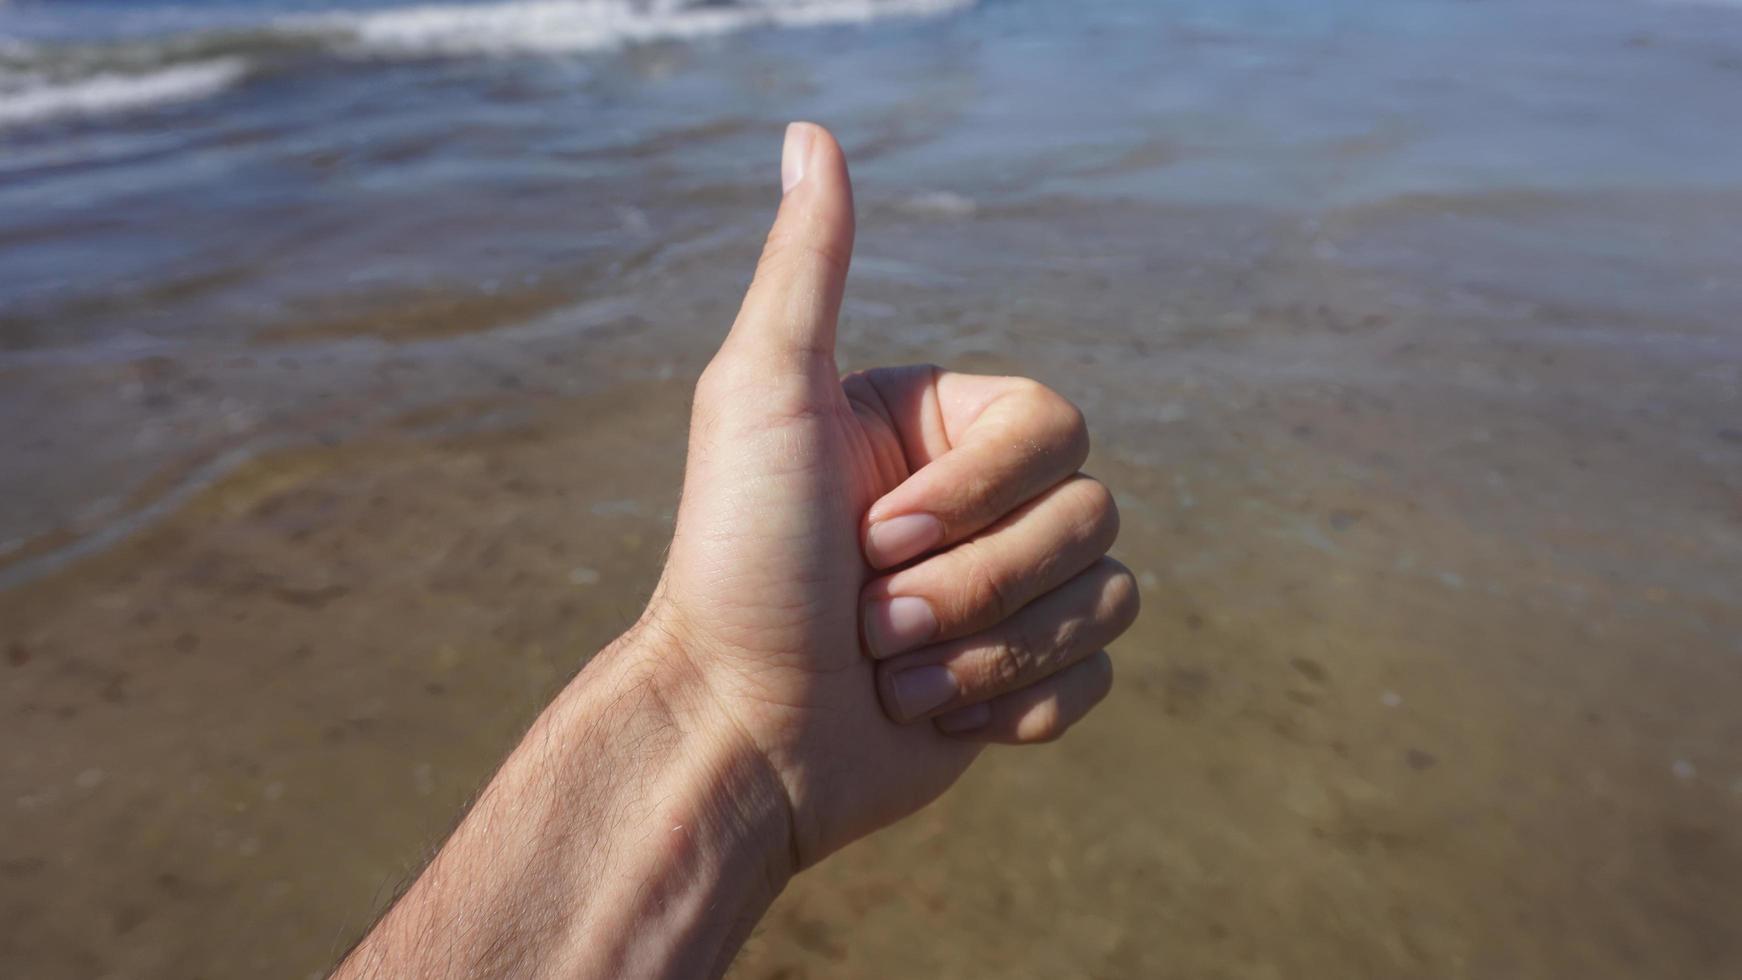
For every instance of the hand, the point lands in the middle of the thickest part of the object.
(736, 734)
(803, 490)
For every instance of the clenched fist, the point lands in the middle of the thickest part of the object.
(878, 574)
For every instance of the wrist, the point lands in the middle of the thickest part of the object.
(724, 802)
(632, 833)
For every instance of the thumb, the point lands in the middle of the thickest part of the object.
(787, 322)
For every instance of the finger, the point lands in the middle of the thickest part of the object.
(1038, 713)
(1057, 630)
(787, 321)
(986, 579)
(1020, 438)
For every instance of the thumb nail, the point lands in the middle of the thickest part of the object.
(793, 156)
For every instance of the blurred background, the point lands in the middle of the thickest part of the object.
(345, 349)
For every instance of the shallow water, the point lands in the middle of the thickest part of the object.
(1408, 333)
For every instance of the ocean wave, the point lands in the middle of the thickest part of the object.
(31, 97)
(535, 26)
(42, 82)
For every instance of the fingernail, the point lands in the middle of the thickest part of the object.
(898, 625)
(794, 155)
(962, 720)
(920, 689)
(897, 539)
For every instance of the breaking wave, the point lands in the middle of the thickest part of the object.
(29, 97)
(48, 81)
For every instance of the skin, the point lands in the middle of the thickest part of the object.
(871, 578)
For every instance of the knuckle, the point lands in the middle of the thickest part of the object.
(1004, 668)
(1121, 597)
(1011, 659)
(1072, 418)
(1078, 439)
(980, 493)
(787, 250)
(1045, 722)
(833, 258)
(1099, 513)
(1049, 404)
(988, 597)
(1070, 422)
(1030, 390)
(1100, 668)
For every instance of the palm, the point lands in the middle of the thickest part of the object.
(770, 551)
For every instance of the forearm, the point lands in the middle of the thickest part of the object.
(628, 835)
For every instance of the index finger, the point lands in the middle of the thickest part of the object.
(983, 447)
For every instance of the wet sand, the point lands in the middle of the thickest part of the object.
(1437, 673)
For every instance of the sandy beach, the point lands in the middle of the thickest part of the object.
(1435, 496)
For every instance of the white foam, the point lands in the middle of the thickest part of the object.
(35, 98)
(535, 26)
(34, 88)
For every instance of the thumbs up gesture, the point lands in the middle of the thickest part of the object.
(871, 578)
(875, 576)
